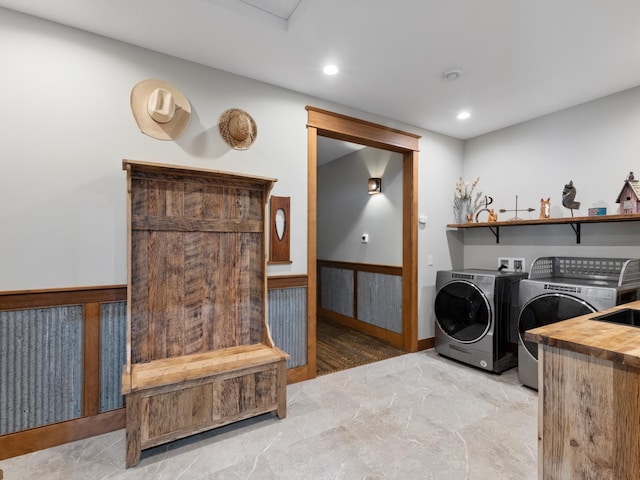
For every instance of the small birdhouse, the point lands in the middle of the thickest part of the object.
(629, 198)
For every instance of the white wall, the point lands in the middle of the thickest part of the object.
(346, 210)
(595, 144)
(67, 125)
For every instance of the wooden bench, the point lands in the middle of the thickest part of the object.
(184, 395)
(199, 352)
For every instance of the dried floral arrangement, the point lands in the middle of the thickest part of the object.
(465, 201)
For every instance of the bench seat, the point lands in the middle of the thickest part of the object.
(173, 370)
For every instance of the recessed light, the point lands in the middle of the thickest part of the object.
(330, 70)
(463, 115)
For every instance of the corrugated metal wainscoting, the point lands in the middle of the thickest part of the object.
(288, 323)
(113, 349)
(62, 352)
(336, 285)
(380, 300)
(369, 293)
(42, 357)
(40, 367)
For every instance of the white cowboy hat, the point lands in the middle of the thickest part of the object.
(160, 109)
(237, 128)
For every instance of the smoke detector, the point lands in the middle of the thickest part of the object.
(451, 75)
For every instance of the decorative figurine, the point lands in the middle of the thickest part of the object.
(568, 197)
(545, 207)
(493, 216)
(487, 201)
(502, 210)
(629, 198)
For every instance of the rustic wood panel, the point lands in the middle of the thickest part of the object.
(591, 417)
(626, 417)
(168, 325)
(140, 222)
(175, 411)
(199, 300)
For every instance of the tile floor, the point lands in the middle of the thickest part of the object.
(417, 416)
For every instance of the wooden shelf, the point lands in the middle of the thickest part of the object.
(575, 223)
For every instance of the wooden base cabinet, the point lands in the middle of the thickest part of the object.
(590, 421)
(589, 397)
(199, 353)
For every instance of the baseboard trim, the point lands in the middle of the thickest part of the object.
(32, 440)
(426, 343)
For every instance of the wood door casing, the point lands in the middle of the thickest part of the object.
(341, 127)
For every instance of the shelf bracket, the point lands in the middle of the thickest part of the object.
(576, 229)
(496, 232)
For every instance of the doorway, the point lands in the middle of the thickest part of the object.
(340, 127)
(359, 255)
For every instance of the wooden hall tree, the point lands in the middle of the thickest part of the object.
(199, 353)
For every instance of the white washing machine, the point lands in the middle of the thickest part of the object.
(559, 288)
(476, 313)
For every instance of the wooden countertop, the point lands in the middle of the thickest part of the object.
(608, 341)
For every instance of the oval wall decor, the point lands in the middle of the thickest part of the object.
(281, 223)
(279, 249)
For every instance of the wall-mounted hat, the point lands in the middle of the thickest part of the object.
(237, 128)
(160, 109)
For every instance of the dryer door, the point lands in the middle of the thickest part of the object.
(462, 311)
(546, 309)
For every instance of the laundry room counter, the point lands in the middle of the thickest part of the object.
(589, 398)
(608, 341)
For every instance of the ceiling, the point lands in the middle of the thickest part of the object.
(520, 59)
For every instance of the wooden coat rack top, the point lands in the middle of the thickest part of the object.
(199, 353)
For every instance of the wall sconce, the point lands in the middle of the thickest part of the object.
(375, 186)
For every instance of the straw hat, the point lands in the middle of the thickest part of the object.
(237, 128)
(160, 109)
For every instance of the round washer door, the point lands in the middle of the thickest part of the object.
(462, 311)
(546, 309)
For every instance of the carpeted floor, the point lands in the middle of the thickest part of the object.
(339, 348)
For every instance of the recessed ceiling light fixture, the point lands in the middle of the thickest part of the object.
(330, 70)
(451, 75)
(463, 115)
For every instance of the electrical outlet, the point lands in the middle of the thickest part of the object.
(504, 264)
(510, 264)
(518, 265)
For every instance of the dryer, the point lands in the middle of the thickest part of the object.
(559, 288)
(475, 317)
